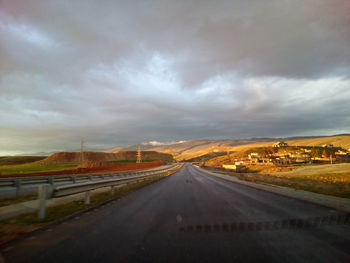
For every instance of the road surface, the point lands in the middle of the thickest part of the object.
(192, 217)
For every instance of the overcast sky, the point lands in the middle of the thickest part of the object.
(120, 72)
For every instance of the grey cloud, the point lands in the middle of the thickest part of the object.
(131, 71)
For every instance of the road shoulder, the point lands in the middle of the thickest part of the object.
(342, 204)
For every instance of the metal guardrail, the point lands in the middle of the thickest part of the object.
(64, 190)
(18, 182)
(47, 191)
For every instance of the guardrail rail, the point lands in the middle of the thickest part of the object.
(48, 191)
(18, 182)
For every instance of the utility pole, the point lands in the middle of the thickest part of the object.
(139, 155)
(81, 151)
(228, 156)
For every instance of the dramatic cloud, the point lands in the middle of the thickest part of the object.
(118, 72)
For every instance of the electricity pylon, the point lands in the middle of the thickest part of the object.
(139, 155)
(81, 151)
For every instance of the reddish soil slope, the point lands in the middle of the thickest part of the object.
(75, 157)
(101, 157)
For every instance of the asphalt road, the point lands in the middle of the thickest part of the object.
(193, 217)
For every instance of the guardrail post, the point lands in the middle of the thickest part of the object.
(90, 177)
(17, 183)
(51, 180)
(42, 192)
(73, 178)
(112, 190)
(87, 198)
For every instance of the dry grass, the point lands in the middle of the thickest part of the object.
(270, 168)
(331, 173)
(324, 179)
(337, 141)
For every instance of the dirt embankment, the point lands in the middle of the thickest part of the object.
(95, 168)
(101, 167)
(77, 157)
(101, 157)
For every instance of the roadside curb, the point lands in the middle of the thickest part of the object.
(341, 204)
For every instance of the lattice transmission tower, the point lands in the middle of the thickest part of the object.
(139, 155)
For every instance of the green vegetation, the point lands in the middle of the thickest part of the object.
(13, 200)
(33, 168)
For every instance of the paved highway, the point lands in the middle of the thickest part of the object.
(192, 217)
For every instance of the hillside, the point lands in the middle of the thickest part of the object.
(131, 147)
(327, 170)
(338, 141)
(192, 149)
(101, 157)
(342, 141)
(11, 160)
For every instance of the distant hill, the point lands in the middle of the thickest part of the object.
(97, 157)
(338, 141)
(192, 149)
(35, 154)
(132, 147)
(10, 160)
(342, 141)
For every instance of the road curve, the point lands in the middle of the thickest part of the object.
(192, 217)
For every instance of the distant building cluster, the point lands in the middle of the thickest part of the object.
(327, 145)
(302, 156)
(343, 155)
(283, 154)
(237, 167)
(280, 144)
